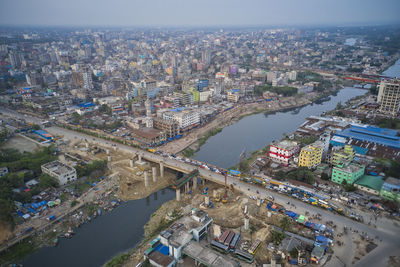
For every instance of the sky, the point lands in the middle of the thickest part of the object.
(198, 12)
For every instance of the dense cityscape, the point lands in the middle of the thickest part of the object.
(200, 146)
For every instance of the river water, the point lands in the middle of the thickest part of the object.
(394, 70)
(256, 131)
(106, 236)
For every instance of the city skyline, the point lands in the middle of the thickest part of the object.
(205, 13)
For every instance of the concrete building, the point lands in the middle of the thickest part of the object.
(62, 172)
(283, 151)
(186, 119)
(389, 96)
(343, 155)
(233, 95)
(370, 184)
(391, 189)
(311, 155)
(349, 172)
(168, 246)
(170, 127)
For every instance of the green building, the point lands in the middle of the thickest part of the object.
(391, 189)
(196, 95)
(349, 172)
(370, 184)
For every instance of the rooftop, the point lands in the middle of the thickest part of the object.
(285, 144)
(160, 258)
(373, 182)
(207, 256)
(147, 133)
(350, 168)
(57, 167)
(372, 134)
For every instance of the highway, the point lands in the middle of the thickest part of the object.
(385, 231)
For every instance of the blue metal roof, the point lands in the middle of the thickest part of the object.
(382, 136)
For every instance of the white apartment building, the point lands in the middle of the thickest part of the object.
(62, 172)
(184, 118)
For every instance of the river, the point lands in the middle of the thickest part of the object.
(121, 229)
(256, 131)
(394, 70)
(106, 236)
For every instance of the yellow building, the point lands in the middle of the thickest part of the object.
(311, 155)
(344, 155)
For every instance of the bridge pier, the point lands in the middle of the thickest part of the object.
(178, 194)
(194, 183)
(154, 169)
(187, 185)
(146, 178)
(162, 169)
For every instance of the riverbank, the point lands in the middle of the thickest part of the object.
(163, 217)
(240, 112)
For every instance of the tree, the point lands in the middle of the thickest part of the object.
(35, 127)
(339, 106)
(284, 223)
(76, 117)
(6, 207)
(324, 176)
(294, 253)
(277, 237)
(46, 181)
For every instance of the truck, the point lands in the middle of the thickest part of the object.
(234, 172)
(51, 217)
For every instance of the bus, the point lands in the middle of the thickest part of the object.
(244, 256)
(254, 247)
(224, 236)
(234, 242)
(219, 247)
(229, 238)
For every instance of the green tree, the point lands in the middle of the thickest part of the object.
(35, 127)
(6, 208)
(324, 176)
(46, 181)
(277, 237)
(294, 253)
(284, 223)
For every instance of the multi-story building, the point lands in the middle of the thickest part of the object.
(186, 119)
(391, 189)
(311, 155)
(62, 172)
(343, 155)
(185, 99)
(389, 96)
(283, 151)
(171, 128)
(233, 95)
(349, 172)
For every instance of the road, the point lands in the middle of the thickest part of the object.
(385, 231)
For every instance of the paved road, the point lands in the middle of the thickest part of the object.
(384, 231)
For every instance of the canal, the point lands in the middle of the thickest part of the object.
(105, 237)
(256, 131)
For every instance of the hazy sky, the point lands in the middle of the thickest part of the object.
(198, 12)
